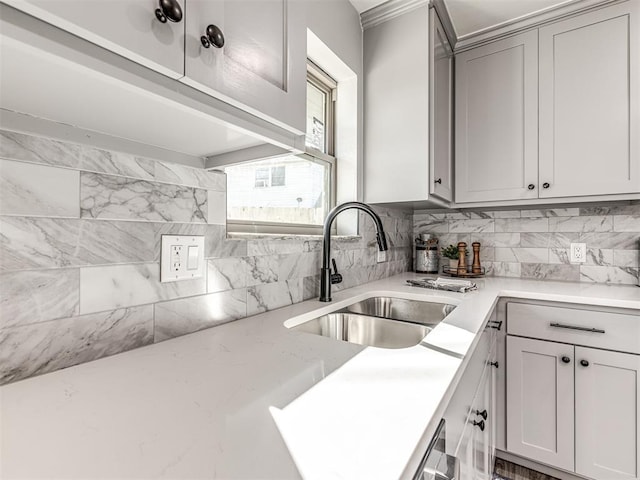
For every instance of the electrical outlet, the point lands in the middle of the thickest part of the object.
(181, 257)
(382, 256)
(578, 252)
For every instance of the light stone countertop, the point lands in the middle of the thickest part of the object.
(252, 399)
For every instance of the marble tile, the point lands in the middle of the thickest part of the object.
(621, 241)
(118, 286)
(310, 287)
(496, 239)
(30, 189)
(262, 298)
(481, 225)
(543, 271)
(431, 226)
(303, 265)
(514, 225)
(45, 347)
(626, 223)
(54, 152)
(275, 246)
(187, 315)
(548, 240)
(505, 470)
(120, 198)
(38, 243)
(34, 296)
(626, 258)
(263, 269)
(626, 208)
(608, 274)
(581, 224)
(226, 274)
(559, 255)
(18, 146)
(550, 212)
(467, 214)
(177, 174)
(504, 269)
(48, 242)
(507, 214)
(595, 256)
(116, 163)
(522, 255)
(216, 207)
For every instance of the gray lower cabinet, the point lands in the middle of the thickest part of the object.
(570, 404)
(552, 113)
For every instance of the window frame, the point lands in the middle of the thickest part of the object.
(321, 80)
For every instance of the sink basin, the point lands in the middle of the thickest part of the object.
(415, 311)
(365, 330)
(385, 322)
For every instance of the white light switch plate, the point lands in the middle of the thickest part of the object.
(382, 256)
(181, 257)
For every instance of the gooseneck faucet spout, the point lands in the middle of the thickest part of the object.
(326, 278)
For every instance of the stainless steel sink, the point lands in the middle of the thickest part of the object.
(424, 313)
(365, 330)
(385, 322)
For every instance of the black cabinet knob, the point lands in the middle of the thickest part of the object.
(169, 10)
(584, 363)
(482, 414)
(479, 424)
(531, 186)
(213, 36)
(438, 181)
(566, 359)
(494, 364)
(545, 185)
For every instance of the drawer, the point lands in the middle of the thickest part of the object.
(460, 404)
(592, 328)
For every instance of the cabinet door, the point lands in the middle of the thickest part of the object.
(497, 120)
(262, 65)
(126, 27)
(607, 414)
(441, 113)
(589, 103)
(540, 411)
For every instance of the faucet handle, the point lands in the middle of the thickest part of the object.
(335, 276)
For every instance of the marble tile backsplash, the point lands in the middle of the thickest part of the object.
(536, 243)
(80, 232)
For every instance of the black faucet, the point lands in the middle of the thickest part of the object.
(326, 278)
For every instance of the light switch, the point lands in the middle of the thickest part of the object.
(192, 258)
(181, 257)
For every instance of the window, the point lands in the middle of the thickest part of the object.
(290, 194)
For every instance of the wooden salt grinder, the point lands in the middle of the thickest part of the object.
(476, 268)
(462, 260)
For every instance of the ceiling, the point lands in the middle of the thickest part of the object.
(471, 16)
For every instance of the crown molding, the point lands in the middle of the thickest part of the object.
(388, 10)
(527, 22)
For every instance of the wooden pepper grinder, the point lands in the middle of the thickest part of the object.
(462, 260)
(475, 267)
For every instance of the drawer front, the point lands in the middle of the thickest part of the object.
(606, 330)
(459, 407)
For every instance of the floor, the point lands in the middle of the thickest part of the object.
(504, 470)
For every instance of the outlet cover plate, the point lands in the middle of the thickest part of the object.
(181, 257)
(578, 253)
(382, 256)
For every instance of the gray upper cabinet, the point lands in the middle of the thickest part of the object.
(261, 68)
(128, 28)
(589, 104)
(441, 119)
(262, 65)
(407, 104)
(552, 113)
(497, 120)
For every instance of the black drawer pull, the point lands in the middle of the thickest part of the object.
(496, 324)
(479, 424)
(573, 327)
